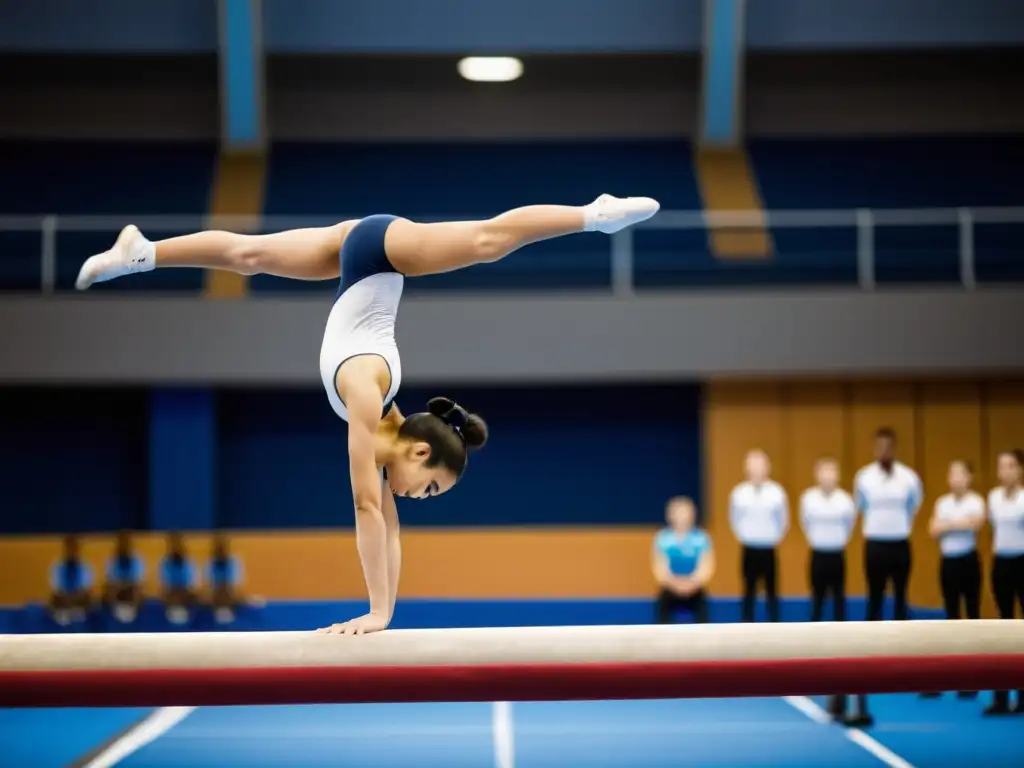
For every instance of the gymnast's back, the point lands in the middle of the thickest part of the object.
(362, 320)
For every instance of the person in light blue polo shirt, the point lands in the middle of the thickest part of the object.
(178, 576)
(224, 574)
(122, 593)
(71, 582)
(683, 563)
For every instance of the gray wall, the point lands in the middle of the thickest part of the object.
(310, 26)
(356, 98)
(518, 339)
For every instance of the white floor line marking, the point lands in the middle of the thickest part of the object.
(501, 726)
(807, 707)
(149, 730)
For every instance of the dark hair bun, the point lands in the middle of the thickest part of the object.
(472, 427)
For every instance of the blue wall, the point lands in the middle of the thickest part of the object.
(100, 460)
(72, 460)
(556, 456)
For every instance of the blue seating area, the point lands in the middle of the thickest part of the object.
(417, 614)
(479, 180)
(897, 173)
(475, 180)
(98, 178)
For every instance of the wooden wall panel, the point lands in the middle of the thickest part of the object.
(472, 563)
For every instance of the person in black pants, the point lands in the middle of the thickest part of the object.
(889, 495)
(827, 515)
(955, 523)
(1006, 511)
(683, 563)
(759, 516)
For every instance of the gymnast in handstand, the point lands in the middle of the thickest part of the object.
(390, 455)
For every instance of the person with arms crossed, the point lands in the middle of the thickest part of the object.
(1006, 513)
(956, 520)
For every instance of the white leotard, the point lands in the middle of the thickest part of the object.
(362, 320)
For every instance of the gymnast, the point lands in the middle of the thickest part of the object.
(390, 455)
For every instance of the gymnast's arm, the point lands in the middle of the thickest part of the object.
(394, 546)
(365, 405)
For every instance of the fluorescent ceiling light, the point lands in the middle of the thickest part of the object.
(490, 69)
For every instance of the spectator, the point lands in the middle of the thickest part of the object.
(179, 581)
(759, 516)
(888, 495)
(827, 514)
(1006, 511)
(71, 582)
(683, 563)
(957, 517)
(123, 592)
(225, 575)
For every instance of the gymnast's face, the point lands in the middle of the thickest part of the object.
(410, 477)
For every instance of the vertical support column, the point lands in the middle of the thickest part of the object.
(182, 460)
(722, 86)
(725, 175)
(238, 184)
(240, 23)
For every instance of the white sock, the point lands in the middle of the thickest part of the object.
(610, 214)
(141, 255)
(590, 215)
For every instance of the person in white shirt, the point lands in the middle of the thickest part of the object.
(1006, 513)
(955, 523)
(827, 515)
(956, 519)
(759, 518)
(888, 495)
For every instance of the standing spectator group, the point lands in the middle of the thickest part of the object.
(887, 496)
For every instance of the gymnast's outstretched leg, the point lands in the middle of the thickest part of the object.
(414, 249)
(427, 249)
(301, 254)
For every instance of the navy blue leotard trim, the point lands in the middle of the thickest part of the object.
(363, 252)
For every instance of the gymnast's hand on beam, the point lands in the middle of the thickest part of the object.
(371, 622)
